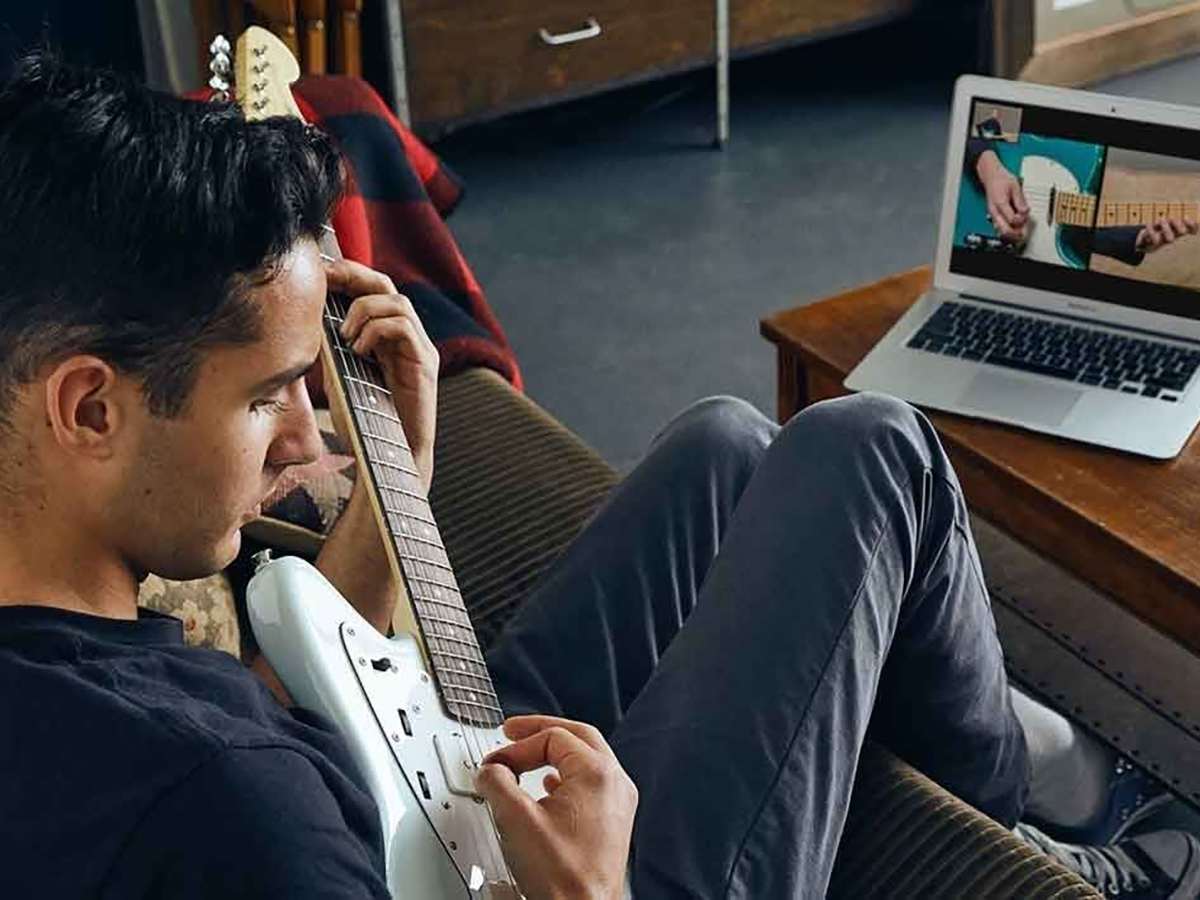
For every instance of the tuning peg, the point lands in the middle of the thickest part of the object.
(220, 67)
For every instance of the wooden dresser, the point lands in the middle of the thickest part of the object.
(454, 61)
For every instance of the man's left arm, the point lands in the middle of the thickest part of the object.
(381, 323)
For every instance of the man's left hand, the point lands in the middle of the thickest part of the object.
(382, 323)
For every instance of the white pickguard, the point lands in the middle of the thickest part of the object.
(439, 837)
(1038, 175)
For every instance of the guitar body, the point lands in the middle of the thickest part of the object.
(1044, 166)
(419, 765)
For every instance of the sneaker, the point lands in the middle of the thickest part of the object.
(1158, 865)
(1133, 797)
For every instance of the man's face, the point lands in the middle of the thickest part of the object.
(197, 479)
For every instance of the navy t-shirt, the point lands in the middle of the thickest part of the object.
(133, 766)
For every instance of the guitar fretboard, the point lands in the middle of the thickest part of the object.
(1083, 209)
(455, 657)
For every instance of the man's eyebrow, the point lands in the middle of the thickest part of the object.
(287, 376)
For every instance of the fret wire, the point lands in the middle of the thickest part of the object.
(410, 504)
(487, 694)
(479, 684)
(392, 466)
(412, 516)
(458, 640)
(432, 618)
(437, 563)
(465, 677)
(450, 587)
(474, 653)
(427, 618)
(387, 417)
(438, 559)
(447, 607)
(370, 410)
(463, 672)
(399, 490)
(425, 541)
(434, 572)
(378, 387)
(488, 707)
(477, 660)
(400, 531)
(402, 442)
(423, 530)
(449, 604)
(461, 658)
(380, 437)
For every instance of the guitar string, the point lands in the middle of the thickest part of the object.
(475, 753)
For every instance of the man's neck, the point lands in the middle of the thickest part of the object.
(45, 566)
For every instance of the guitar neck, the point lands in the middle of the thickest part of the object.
(1083, 210)
(435, 605)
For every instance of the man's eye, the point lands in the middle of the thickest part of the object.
(268, 405)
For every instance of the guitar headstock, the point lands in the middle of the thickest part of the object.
(264, 70)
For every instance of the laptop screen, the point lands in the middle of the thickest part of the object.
(1081, 204)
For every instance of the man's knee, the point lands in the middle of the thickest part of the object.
(866, 423)
(719, 429)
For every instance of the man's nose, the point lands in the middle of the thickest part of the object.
(299, 441)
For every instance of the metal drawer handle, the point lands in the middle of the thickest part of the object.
(584, 34)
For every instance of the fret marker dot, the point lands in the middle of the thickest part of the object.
(374, 399)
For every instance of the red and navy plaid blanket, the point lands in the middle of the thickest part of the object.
(392, 219)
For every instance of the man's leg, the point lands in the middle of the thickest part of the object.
(592, 632)
(848, 541)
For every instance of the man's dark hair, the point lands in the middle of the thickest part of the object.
(132, 221)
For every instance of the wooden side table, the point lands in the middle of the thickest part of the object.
(1093, 555)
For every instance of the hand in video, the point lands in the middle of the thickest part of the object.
(1165, 231)
(1006, 201)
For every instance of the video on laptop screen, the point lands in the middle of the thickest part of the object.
(1081, 204)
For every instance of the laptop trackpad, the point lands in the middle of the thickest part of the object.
(1014, 398)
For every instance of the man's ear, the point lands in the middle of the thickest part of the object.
(84, 406)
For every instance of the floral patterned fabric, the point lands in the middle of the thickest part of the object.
(205, 607)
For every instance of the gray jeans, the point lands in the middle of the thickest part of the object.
(748, 604)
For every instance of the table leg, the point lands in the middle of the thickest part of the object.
(722, 30)
(792, 388)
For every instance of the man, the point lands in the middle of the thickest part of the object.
(1009, 212)
(723, 624)
(991, 128)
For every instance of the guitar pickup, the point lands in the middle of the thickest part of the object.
(458, 764)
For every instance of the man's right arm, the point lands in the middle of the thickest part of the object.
(259, 822)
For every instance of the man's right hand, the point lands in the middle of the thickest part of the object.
(574, 842)
(1005, 198)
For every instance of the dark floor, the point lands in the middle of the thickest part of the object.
(630, 263)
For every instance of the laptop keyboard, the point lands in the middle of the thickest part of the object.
(1058, 349)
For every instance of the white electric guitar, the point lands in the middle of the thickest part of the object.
(418, 710)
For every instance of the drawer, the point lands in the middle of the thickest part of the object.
(468, 59)
(756, 23)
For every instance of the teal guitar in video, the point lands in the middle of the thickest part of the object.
(1060, 179)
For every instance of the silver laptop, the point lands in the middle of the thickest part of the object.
(1066, 290)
